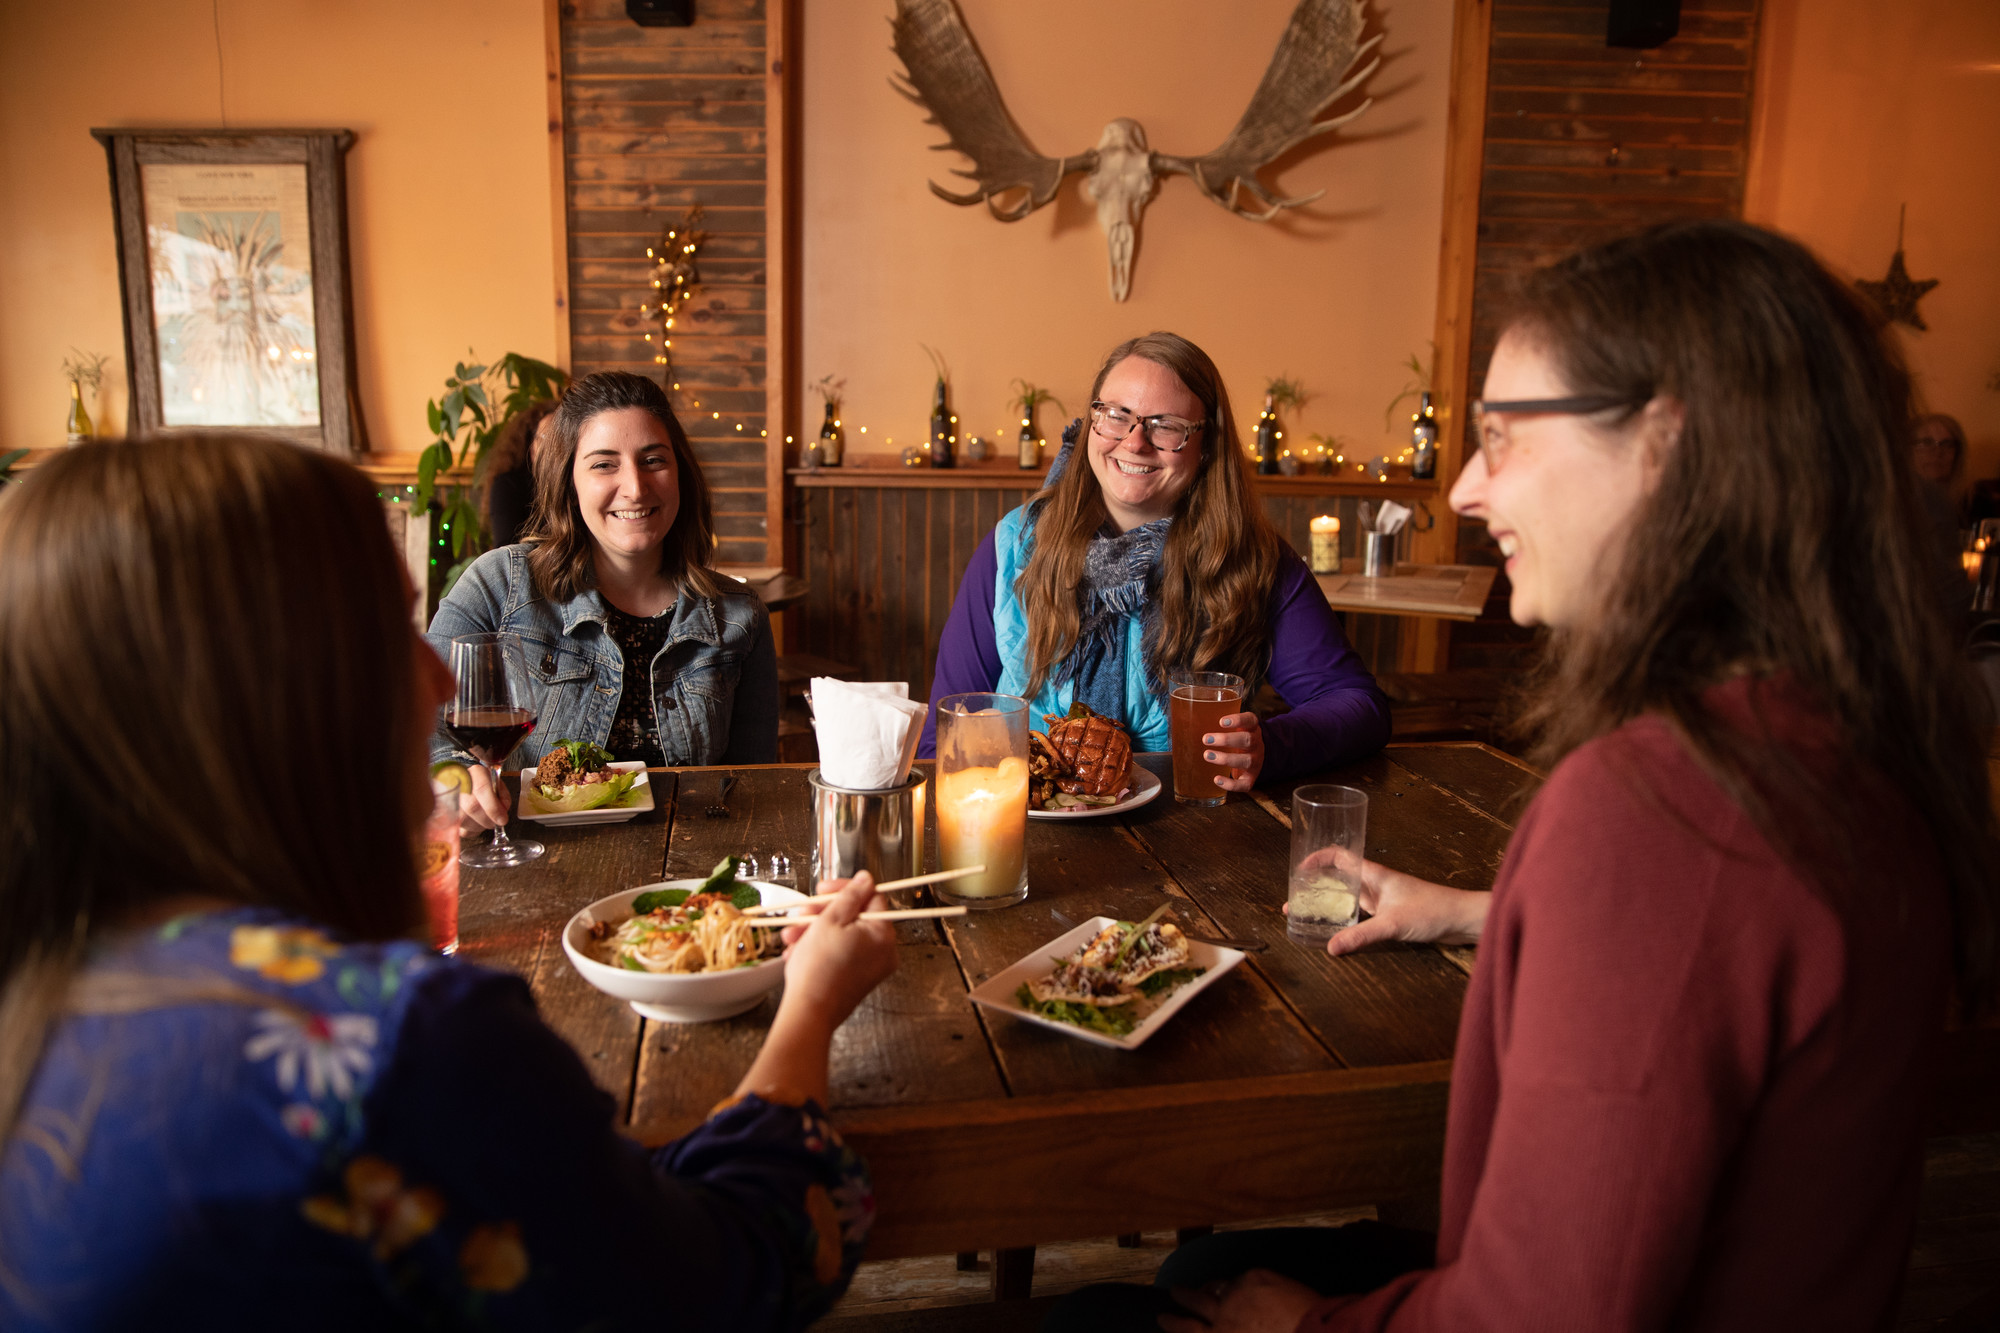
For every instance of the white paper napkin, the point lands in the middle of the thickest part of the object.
(1391, 517)
(868, 732)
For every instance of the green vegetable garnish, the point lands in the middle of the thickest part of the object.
(629, 963)
(1133, 934)
(1116, 1021)
(723, 877)
(658, 898)
(585, 756)
(1172, 979)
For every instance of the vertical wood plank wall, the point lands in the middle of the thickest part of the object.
(1584, 142)
(656, 119)
(885, 563)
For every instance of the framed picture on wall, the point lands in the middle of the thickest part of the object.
(232, 260)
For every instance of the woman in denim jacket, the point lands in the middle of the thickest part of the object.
(632, 642)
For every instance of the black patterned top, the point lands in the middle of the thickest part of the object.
(635, 732)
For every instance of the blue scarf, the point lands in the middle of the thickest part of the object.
(1118, 572)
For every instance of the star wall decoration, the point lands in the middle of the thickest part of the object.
(1896, 296)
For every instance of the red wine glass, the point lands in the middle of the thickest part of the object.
(491, 712)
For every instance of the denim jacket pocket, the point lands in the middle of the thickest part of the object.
(563, 680)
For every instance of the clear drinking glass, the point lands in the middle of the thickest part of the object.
(982, 798)
(1196, 706)
(1329, 838)
(491, 712)
(438, 867)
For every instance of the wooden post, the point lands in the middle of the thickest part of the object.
(783, 93)
(558, 173)
(1465, 145)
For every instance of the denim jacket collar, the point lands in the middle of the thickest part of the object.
(694, 616)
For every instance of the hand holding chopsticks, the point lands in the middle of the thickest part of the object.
(905, 914)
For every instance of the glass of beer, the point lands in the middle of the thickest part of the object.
(1195, 708)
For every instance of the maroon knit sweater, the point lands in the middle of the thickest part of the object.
(1688, 1092)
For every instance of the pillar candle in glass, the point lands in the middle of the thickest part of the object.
(1325, 544)
(982, 797)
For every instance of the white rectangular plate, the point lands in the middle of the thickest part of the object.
(637, 801)
(998, 992)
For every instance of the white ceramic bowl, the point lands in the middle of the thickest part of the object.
(683, 997)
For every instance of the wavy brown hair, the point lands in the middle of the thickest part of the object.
(1783, 540)
(561, 563)
(1213, 594)
(208, 664)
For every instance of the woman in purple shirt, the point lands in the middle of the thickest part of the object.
(1157, 555)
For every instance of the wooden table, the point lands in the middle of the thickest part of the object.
(1454, 592)
(1298, 1082)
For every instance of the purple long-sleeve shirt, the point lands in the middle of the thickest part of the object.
(1338, 714)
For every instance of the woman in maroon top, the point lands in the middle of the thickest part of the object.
(1690, 1083)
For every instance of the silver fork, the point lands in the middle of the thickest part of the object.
(720, 810)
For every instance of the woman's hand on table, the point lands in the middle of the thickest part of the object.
(1239, 746)
(1258, 1302)
(487, 804)
(1403, 907)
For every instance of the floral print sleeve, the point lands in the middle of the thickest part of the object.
(324, 1135)
(552, 1220)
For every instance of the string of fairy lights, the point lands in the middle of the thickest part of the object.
(675, 274)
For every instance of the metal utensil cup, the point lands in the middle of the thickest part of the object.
(1378, 554)
(881, 832)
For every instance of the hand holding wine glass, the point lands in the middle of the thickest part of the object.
(491, 712)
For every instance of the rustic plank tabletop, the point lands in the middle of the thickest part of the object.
(1453, 592)
(1298, 1082)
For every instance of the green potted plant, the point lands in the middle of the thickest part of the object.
(479, 400)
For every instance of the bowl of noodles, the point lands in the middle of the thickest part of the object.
(692, 958)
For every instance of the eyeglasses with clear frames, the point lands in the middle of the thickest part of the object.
(1493, 440)
(1167, 434)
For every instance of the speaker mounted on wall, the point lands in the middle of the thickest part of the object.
(1642, 24)
(661, 13)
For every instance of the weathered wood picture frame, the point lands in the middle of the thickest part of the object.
(225, 329)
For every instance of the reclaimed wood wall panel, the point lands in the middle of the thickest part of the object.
(1583, 142)
(885, 562)
(655, 120)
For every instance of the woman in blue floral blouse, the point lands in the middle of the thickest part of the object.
(234, 1091)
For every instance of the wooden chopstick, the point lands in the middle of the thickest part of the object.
(936, 877)
(899, 914)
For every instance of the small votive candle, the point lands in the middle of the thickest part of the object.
(1325, 544)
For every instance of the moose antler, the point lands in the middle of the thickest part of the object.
(1308, 73)
(948, 78)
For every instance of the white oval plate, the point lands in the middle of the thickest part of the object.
(1144, 788)
(673, 997)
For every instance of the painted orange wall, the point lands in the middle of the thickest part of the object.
(1865, 107)
(1337, 294)
(448, 181)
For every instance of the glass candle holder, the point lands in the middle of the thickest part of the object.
(1325, 544)
(982, 798)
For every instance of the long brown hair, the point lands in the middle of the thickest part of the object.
(208, 665)
(1783, 538)
(1218, 563)
(561, 563)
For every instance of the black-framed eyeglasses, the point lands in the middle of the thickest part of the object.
(1492, 440)
(1167, 434)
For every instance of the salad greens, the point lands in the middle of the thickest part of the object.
(722, 879)
(1117, 1021)
(1161, 983)
(584, 756)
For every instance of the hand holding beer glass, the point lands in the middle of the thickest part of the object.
(1195, 708)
